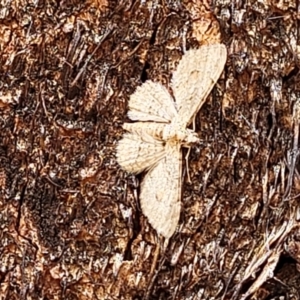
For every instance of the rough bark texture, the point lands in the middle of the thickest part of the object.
(70, 222)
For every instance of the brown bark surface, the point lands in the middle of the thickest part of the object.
(70, 222)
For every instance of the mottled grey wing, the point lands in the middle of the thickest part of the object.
(194, 78)
(161, 192)
(151, 102)
(136, 153)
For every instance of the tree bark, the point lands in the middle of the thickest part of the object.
(71, 224)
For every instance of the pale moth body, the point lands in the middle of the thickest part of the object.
(154, 142)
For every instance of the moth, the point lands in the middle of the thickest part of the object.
(154, 142)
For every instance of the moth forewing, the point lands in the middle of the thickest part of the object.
(194, 78)
(151, 102)
(161, 192)
(137, 153)
(146, 128)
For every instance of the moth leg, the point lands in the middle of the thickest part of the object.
(187, 164)
(188, 153)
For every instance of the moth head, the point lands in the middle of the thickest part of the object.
(187, 137)
(178, 133)
(191, 137)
